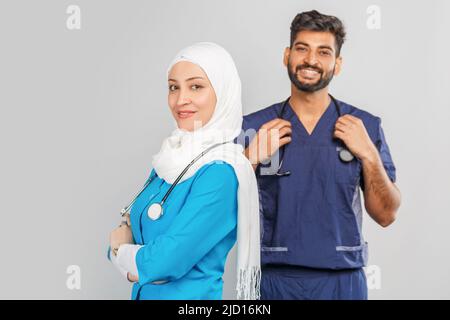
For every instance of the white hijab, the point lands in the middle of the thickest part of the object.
(182, 146)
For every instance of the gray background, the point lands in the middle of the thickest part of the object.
(83, 111)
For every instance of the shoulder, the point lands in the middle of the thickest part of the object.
(256, 119)
(214, 171)
(371, 122)
(218, 174)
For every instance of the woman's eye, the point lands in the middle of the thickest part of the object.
(195, 87)
(172, 88)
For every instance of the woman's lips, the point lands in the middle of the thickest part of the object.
(185, 114)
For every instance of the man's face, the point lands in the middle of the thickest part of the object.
(312, 62)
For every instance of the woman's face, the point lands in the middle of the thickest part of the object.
(191, 96)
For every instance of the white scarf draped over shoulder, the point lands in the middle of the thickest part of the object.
(182, 146)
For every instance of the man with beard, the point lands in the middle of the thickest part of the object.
(312, 154)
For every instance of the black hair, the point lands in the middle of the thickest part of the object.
(316, 21)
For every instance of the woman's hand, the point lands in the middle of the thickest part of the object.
(127, 219)
(132, 278)
(119, 236)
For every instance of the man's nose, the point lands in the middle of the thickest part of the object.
(311, 58)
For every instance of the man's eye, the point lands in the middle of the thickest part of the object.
(301, 49)
(325, 53)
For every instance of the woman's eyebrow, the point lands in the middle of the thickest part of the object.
(188, 79)
(193, 78)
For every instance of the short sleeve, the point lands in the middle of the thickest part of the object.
(385, 153)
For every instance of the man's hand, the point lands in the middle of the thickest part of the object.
(352, 132)
(270, 137)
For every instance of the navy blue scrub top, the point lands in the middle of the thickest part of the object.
(313, 217)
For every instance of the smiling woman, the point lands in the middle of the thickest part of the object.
(181, 254)
(191, 96)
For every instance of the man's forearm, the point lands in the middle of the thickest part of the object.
(381, 197)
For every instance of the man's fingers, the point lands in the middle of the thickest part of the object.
(281, 128)
(281, 124)
(270, 137)
(270, 123)
(340, 126)
(284, 141)
(352, 118)
(347, 118)
(275, 136)
(339, 134)
(344, 121)
(285, 131)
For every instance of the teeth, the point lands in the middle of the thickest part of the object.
(310, 71)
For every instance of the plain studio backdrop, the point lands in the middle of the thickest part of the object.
(83, 111)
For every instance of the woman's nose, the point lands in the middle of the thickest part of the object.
(183, 98)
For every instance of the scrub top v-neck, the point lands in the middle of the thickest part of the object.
(313, 217)
(300, 128)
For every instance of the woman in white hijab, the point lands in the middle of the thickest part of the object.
(181, 254)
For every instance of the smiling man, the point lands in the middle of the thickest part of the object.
(327, 151)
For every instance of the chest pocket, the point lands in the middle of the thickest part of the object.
(347, 172)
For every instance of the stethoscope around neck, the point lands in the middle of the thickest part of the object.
(344, 154)
(155, 210)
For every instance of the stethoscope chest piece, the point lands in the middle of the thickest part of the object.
(155, 211)
(346, 155)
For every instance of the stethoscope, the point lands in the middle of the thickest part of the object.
(155, 210)
(344, 154)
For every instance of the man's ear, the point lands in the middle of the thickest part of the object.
(287, 52)
(338, 66)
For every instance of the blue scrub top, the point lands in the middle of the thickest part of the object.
(188, 245)
(313, 217)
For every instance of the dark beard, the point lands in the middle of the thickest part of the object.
(324, 80)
